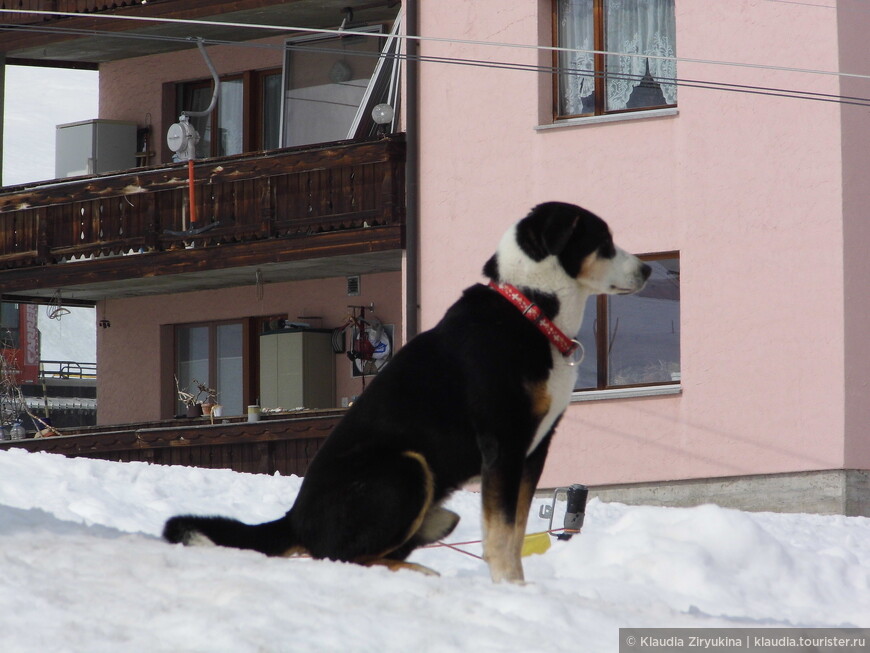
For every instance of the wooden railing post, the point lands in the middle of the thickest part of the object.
(267, 213)
(43, 246)
(152, 226)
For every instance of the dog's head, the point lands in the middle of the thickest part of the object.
(558, 243)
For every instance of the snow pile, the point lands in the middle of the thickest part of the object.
(82, 569)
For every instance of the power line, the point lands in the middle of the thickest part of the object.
(481, 63)
(432, 39)
(805, 4)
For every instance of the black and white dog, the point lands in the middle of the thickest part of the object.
(480, 394)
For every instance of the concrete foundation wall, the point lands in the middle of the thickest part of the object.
(839, 491)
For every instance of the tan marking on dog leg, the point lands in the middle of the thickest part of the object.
(501, 546)
(419, 520)
(396, 565)
(429, 492)
(541, 398)
(294, 551)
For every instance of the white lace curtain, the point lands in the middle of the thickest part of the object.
(634, 27)
(576, 31)
(640, 27)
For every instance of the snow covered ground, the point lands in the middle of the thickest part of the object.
(82, 568)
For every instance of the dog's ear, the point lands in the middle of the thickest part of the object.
(559, 232)
(547, 229)
(490, 268)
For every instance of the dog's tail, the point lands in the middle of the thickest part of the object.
(272, 538)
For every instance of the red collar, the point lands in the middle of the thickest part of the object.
(531, 311)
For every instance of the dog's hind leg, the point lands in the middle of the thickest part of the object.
(438, 524)
(396, 565)
(371, 510)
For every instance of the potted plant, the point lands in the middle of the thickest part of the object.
(210, 402)
(195, 399)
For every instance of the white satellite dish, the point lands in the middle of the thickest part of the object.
(182, 139)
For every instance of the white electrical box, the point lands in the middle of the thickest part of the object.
(94, 146)
(297, 369)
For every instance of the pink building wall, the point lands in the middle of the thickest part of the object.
(129, 383)
(749, 189)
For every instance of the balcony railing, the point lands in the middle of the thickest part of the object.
(283, 443)
(77, 6)
(282, 193)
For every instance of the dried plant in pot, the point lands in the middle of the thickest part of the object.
(196, 399)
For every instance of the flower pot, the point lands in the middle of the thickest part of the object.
(194, 411)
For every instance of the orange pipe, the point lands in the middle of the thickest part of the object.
(191, 193)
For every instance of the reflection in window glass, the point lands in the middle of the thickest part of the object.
(644, 330)
(634, 339)
(197, 98)
(230, 117)
(587, 371)
(229, 367)
(326, 81)
(192, 362)
(272, 111)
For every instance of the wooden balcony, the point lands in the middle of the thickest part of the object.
(115, 235)
(76, 6)
(280, 443)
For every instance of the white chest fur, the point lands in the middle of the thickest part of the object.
(560, 385)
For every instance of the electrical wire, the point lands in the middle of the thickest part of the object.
(481, 63)
(419, 38)
(680, 82)
(805, 4)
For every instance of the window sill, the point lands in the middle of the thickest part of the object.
(613, 117)
(627, 393)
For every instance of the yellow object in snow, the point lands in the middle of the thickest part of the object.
(535, 543)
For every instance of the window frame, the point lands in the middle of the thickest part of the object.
(599, 74)
(602, 344)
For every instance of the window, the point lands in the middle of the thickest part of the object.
(248, 113)
(228, 115)
(632, 75)
(213, 354)
(9, 325)
(634, 340)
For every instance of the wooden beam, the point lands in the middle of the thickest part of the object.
(189, 9)
(181, 261)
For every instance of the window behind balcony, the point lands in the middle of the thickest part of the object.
(222, 131)
(247, 116)
(212, 354)
(638, 71)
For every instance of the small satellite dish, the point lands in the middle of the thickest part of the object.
(182, 139)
